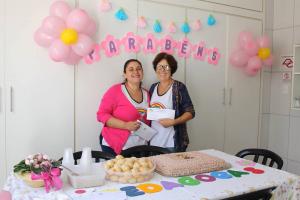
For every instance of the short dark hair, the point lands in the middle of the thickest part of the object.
(169, 58)
(129, 61)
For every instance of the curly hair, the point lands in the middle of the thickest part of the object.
(169, 58)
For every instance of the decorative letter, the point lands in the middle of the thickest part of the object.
(214, 57)
(131, 43)
(111, 46)
(200, 51)
(131, 191)
(167, 44)
(150, 187)
(254, 170)
(93, 56)
(150, 43)
(205, 178)
(170, 185)
(186, 180)
(184, 48)
(221, 175)
(236, 173)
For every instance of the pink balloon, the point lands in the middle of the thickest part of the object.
(253, 66)
(5, 195)
(251, 48)
(73, 58)
(91, 28)
(268, 62)
(42, 38)
(60, 9)
(83, 46)
(53, 26)
(251, 72)
(58, 51)
(78, 19)
(244, 38)
(263, 41)
(238, 58)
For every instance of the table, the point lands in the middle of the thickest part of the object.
(243, 178)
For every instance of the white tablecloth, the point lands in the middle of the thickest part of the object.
(288, 185)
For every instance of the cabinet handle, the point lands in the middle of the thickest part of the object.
(224, 96)
(11, 99)
(0, 99)
(230, 95)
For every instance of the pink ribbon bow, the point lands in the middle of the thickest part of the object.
(51, 179)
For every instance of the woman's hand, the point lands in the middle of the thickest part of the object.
(167, 122)
(132, 126)
(179, 120)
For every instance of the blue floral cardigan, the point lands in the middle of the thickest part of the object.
(181, 103)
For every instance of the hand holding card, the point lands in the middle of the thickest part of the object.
(145, 131)
(157, 114)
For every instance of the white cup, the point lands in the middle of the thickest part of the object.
(68, 159)
(86, 160)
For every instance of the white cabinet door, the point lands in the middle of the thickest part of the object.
(242, 114)
(92, 81)
(206, 84)
(2, 114)
(152, 11)
(40, 92)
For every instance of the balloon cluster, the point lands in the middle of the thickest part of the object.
(251, 54)
(67, 33)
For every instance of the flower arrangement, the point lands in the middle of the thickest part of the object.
(41, 167)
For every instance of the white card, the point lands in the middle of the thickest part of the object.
(157, 114)
(145, 131)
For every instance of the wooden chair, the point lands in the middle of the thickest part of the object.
(265, 154)
(144, 151)
(97, 155)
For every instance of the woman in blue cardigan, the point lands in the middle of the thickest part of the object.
(170, 94)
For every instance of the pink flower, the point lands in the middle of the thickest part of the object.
(45, 157)
(67, 33)
(39, 157)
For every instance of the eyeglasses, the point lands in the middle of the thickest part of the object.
(163, 68)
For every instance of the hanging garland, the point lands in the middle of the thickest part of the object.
(157, 27)
(134, 43)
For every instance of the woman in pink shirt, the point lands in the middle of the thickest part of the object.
(120, 108)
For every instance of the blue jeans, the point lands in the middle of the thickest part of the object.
(106, 148)
(171, 149)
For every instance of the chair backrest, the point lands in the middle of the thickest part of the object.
(265, 154)
(144, 151)
(97, 155)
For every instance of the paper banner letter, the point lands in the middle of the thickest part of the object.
(111, 46)
(199, 50)
(93, 56)
(214, 56)
(184, 48)
(131, 43)
(150, 44)
(167, 44)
